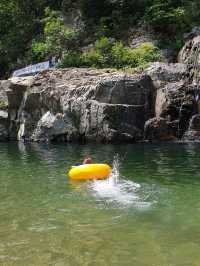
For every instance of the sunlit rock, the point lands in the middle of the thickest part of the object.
(80, 104)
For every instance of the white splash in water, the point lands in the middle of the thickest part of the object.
(117, 190)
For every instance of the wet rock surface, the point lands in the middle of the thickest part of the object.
(193, 132)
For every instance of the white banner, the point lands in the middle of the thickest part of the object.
(33, 69)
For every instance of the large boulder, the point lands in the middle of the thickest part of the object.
(170, 99)
(189, 51)
(81, 104)
(190, 56)
(192, 34)
(174, 102)
(162, 73)
(51, 126)
(160, 129)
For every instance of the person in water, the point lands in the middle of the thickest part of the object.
(87, 160)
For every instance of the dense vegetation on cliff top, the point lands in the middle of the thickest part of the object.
(31, 31)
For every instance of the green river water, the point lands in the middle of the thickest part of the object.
(148, 216)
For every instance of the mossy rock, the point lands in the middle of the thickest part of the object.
(3, 105)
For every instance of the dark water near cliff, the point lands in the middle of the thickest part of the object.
(149, 217)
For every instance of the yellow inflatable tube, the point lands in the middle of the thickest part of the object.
(89, 172)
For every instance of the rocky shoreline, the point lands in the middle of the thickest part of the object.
(80, 104)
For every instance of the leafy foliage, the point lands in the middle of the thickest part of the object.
(57, 38)
(20, 23)
(31, 31)
(113, 54)
(165, 18)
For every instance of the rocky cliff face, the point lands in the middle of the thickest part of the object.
(83, 105)
(77, 105)
(177, 104)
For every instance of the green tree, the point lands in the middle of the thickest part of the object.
(20, 22)
(29, 34)
(56, 38)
